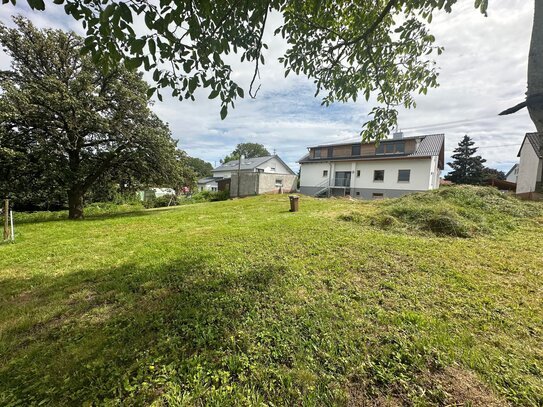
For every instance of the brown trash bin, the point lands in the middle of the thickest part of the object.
(294, 203)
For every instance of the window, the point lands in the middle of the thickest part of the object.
(278, 183)
(394, 147)
(330, 151)
(404, 175)
(378, 175)
(358, 173)
(355, 149)
(272, 169)
(377, 195)
(358, 193)
(317, 153)
(325, 173)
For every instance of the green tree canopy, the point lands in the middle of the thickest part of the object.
(65, 124)
(467, 168)
(248, 150)
(200, 167)
(492, 173)
(350, 49)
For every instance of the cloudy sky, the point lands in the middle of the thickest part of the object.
(482, 72)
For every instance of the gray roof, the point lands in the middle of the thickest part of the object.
(430, 145)
(207, 180)
(249, 164)
(536, 140)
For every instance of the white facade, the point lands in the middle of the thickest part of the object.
(512, 175)
(529, 171)
(210, 186)
(272, 166)
(423, 175)
(222, 174)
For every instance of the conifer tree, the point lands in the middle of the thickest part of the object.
(467, 167)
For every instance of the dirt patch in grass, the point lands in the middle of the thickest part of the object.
(463, 388)
(451, 386)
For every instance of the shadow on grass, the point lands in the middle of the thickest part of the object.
(38, 218)
(122, 334)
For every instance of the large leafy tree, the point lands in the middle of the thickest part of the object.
(65, 123)
(248, 150)
(200, 167)
(467, 168)
(348, 48)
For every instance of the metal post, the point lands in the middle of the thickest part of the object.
(6, 219)
(12, 228)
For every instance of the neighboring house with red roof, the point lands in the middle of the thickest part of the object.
(529, 180)
(392, 168)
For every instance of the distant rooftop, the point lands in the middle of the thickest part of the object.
(246, 163)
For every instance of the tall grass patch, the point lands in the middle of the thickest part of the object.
(460, 211)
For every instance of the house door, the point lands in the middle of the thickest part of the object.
(343, 179)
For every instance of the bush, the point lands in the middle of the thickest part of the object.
(212, 196)
(161, 202)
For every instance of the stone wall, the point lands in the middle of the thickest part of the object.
(253, 183)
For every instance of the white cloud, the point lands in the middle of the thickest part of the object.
(482, 72)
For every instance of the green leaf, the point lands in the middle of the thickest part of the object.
(241, 94)
(36, 4)
(224, 112)
(126, 13)
(133, 63)
(213, 94)
(108, 12)
(152, 46)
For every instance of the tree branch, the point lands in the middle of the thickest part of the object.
(530, 101)
(257, 72)
(371, 29)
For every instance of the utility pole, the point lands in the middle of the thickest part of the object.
(239, 169)
(6, 219)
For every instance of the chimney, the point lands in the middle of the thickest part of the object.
(397, 135)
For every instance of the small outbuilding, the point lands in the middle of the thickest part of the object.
(529, 180)
(255, 176)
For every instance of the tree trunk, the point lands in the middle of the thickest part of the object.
(75, 203)
(535, 67)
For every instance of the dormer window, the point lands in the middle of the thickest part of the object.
(317, 153)
(394, 147)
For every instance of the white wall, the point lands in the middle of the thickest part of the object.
(311, 174)
(513, 176)
(529, 171)
(421, 178)
(222, 174)
(275, 163)
(210, 186)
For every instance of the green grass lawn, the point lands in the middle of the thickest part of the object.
(243, 303)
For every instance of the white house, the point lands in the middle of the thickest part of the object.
(251, 176)
(512, 174)
(208, 184)
(529, 181)
(392, 168)
(268, 165)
